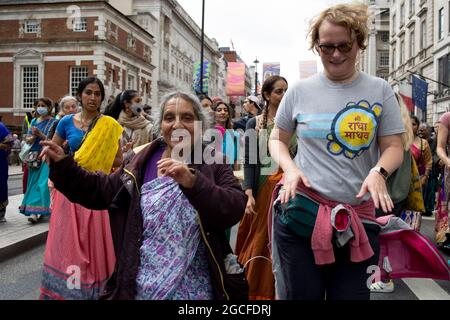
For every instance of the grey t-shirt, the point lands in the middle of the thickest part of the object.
(337, 127)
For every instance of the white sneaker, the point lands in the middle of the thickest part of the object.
(33, 219)
(382, 287)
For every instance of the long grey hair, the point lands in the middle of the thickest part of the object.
(200, 112)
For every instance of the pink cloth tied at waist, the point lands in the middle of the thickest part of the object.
(321, 241)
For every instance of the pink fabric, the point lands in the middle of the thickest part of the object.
(411, 255)
(221, 129)
(321, 241)
(77, 237)
(417, 154)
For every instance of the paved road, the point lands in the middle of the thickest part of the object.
(15, 185)
(20, 277)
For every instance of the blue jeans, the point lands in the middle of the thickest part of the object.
(304, 280)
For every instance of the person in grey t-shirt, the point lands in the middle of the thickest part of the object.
(348, 128)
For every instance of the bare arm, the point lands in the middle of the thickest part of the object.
(442, 144)
(58, 140)
(391, 158)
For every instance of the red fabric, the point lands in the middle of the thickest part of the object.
(408, 102)
(342, 220)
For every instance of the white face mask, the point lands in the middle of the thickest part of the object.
(42, 111)
(136, 109)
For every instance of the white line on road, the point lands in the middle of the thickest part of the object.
(426, 289)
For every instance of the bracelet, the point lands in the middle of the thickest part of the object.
(381, 171)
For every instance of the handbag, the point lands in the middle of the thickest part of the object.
(412, 218)
(299, 215)
(26, 147)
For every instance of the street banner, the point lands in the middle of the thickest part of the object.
(235, 79)
(406, 94)
(419, 93)
(308, 68)
(206, 73)
(270, 69)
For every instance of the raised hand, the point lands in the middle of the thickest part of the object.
(178, 171)
(51, 152)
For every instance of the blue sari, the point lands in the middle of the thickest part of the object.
(4, 138)
(37, 198)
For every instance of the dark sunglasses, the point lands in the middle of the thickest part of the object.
(328, 49)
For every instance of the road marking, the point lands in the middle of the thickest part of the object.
(426, 289)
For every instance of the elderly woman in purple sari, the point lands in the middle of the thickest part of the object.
(169, 208)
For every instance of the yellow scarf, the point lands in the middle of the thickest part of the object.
(98, 151)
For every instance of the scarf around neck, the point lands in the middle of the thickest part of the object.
(141, 128)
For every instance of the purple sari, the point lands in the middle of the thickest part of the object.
(173, 257)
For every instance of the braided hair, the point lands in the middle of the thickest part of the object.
(268, 87)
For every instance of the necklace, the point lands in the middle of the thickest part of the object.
(84, 124)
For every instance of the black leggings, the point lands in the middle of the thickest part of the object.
(342, 280)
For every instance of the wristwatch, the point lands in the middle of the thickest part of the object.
(382, 171)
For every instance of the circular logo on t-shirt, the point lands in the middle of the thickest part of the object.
(354, 129)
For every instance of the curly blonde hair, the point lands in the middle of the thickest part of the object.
(353, 16)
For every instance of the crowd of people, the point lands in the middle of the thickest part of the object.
(330, 166)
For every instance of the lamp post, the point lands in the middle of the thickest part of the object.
(202, 46)
(256, 76)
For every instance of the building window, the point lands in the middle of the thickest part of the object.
(131, 42)
(441, 24)
(112, 76)
(131, 82)
(165, 65)
(412, 44)
(423, 35)
(383, 58)
(444, 74)
(80, 25)
(402, 14)
(394, 27)
(412, 4)
(77, 74)
(172, 69)
(394, 57)
(402, 51)
(384, 35)
(32, 26)
(30, 85)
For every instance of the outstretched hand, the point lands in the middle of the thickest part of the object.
(51, 152)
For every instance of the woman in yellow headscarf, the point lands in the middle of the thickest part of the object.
(79, 256)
